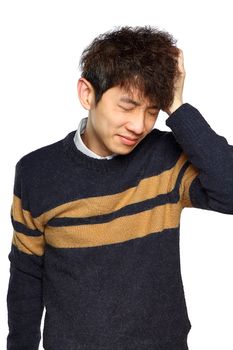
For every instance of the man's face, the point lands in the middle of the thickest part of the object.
(119, 122)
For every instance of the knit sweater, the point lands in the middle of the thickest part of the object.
(96, 242)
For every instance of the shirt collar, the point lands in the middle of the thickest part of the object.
(80, 144)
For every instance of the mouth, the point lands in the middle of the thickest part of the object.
(128, 140)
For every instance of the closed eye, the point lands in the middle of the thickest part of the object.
(130, 109)
(126, 109)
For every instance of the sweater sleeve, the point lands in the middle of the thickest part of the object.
(24, 297)
(207, 182)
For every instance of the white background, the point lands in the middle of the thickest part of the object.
(41, 42)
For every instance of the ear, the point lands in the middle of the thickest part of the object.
(86, 93)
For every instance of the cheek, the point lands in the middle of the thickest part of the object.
(105, 125)
(149, 125)
(151, 121)
(111, 121)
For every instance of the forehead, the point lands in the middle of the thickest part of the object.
(132, 96)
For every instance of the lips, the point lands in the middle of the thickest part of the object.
(128, 140)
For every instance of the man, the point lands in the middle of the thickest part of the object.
(96, 215)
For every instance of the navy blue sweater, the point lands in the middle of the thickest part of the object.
(96, 242)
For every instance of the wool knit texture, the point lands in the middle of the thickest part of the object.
(96, 241)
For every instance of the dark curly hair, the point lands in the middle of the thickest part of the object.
(144, 58)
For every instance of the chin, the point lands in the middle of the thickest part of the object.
(125, 151)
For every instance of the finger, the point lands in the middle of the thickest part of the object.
(181, 61)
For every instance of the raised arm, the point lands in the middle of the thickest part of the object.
(207, 182)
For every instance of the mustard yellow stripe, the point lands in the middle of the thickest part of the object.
(92, 206)
(24, 216)
(29, 244)
(189, 175)
(118, 230)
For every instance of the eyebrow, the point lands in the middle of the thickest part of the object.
(129, 100)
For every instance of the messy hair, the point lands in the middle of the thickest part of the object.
(142, 58)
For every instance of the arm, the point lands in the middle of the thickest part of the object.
(24, 298)
(208, 180)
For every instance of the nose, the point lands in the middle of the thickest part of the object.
(137, 124)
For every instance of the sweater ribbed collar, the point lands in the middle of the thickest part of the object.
(116, 163)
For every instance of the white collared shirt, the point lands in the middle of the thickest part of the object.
(80, 144)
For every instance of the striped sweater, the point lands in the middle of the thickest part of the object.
(96, 242)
